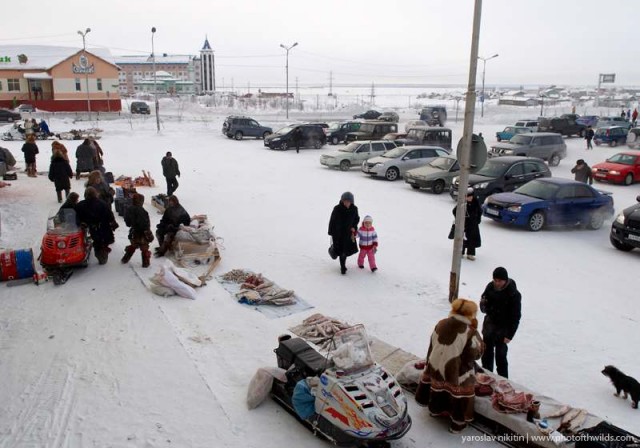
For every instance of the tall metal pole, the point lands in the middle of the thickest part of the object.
(155, 88)
(484, 66)
(86, 73)
(464, 156)
(287, 49)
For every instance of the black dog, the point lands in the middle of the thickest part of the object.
(623, 383)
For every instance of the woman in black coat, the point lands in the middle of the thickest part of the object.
(59, 173)
(30, 149)
(472, 219)
(94, 214)
(343, 227)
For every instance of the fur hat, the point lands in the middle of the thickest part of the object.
(137, 199)
(464, 307)
(347, 196)
(500, 273)
(367, 218)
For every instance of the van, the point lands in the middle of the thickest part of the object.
(313, 136)
(140, 107)
(371, 130)
(434, 115)
(431, 136)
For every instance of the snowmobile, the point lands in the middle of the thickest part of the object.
(65, 246)
(350, 400)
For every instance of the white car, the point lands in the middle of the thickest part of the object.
(355, 153)
(393, 164)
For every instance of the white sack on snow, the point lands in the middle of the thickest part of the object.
(409, 374)
(160, 290)
(260, 384)
(167, 278)
(185, 275)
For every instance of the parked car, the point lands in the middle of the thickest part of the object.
(25, 108)
(239, 127)
(616, 120)
(322, 124)
(337, 132)
(395, 137)
(312, 137)
(611, 135)
(551, 202)
(528, 123)
(588, 120)
(140, 107)
(372, 130)
(503, 174)
(9, 116)
(436, 175)
(434, 115)
(623, 168)
(510, 131)
(389, 116)
(393, 164)
(368, 115)
(543, 145)
(633, 138)
(414, 124)
(432, 136)
(625, 229)
(564, 125)
(355, 153)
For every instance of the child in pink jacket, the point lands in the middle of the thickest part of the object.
(368, 243)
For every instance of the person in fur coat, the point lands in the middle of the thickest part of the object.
(472, 218)
(447, 384)
(60, 174)
(140, 235)
(368, 242)
(30, 150)
(343, 226)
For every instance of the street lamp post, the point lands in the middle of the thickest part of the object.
(287, 69)
(86, 73)
(155, 89)
(484, 66)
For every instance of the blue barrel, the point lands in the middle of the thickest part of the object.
(24, 263)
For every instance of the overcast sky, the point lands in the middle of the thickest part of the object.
(408, 41)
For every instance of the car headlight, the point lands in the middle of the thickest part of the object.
(456, 180)
(620, 218)
(480, 186)
(61, 245)
(508, 151)
(515, 208)
(614, 173)
(378, 165)
(276, 139)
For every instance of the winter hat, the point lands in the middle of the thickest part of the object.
(470, 191)
(347, 196)
(464, 307)
(500, 273)
(367, 218)
(137, 199)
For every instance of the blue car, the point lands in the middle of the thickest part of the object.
(551, 202)
(510, 131)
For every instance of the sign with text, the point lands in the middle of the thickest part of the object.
(5, 59)
(611, 77)
(83, 67)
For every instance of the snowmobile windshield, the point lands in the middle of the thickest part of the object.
(62, 221)
(352, 353)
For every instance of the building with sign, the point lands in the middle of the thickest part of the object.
(58, 78)
(164, 83)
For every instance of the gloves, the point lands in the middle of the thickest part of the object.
(375, 250)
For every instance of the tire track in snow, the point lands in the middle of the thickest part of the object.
(45, 417)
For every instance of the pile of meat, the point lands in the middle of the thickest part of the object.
(320, 329)
(258, 290)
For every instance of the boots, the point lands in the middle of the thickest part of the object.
(102, 254)
(59, 193)
(128, 253)
(146, 256)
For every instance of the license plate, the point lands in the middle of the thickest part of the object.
(411, 181)
(634, 237)
(493, 212)
(601, 175)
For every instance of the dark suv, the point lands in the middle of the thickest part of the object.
(434, 115)
(563, 125)
(337, 132)
(368, 115)
(239, 127)
(140, 107)
(434, 136)
(503, 174)
(285, 138)
(372, 130)
(625, 229)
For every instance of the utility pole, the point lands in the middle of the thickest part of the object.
(155, 88)
(373, 94)
(484, 66)
(86, 69)
(297, 95)
(331, 83)
(287, 49)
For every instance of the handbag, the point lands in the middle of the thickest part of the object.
(452, 232)
(332, 252)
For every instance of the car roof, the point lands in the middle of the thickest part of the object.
(543, 134)
(628, 153)
(528, 119)
(430, 128)
(559, 181)
(371, 141)
(513, 159)
(425, 147)
(611, 127)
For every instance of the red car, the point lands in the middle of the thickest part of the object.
(623, 168)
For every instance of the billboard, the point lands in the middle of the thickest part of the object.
(611, 77)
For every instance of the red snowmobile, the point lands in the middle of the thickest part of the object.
(65, 246)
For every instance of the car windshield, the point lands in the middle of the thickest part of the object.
(352, 352)
(538, 189)
(493, 168)
(509, 129)
(394, 153)
(415, 134)
(284, 130)
(521, 140)
(623, 159)
(334, 126)
(442, 163)
(351, 147)
(367, 127)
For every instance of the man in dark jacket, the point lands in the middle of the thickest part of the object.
(170, 171)
(588, 136)
(140, 234)
(93, 213)
(582, 172)
(30, 150)
(60, 173)
(169, 224)
(86, 158)
(343, 226)
(473, 216)
(501, 302)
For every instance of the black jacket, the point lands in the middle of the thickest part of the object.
(472, 220)
(60, 172)
(137, 218)
(170, 167)
(86, 158)
(342, 220)
(583, 173)
(502, 308)
(589, 134)
(98, 217)
(172, 218)
(30, 150)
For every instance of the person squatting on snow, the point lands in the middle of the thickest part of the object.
(342, 228)
(368, 243)
(140, 235)
(169, 224)
(30, 149)
(60, 174)
(501, 302)
(472, 218)
(582, 172)
(93, 213)
(447, 384)
(170, 171)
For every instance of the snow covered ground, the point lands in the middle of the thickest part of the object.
(102, 362)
